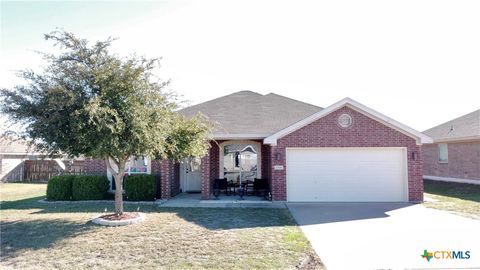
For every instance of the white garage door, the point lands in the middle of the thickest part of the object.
(346, 174)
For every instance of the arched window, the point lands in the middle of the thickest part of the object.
(240, 160)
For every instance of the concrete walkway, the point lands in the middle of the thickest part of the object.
(195, 200)
(386, 235)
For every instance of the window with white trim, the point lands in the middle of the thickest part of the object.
(240, 160)
(443, 153)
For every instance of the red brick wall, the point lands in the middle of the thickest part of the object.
(364, 132)
(95, 166)
(206, 176)
(463, 160)
(214, 159)
(265, 160)
(166, 178)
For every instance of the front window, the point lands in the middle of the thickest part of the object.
(137, 165)
(443, 153)
(240, 161)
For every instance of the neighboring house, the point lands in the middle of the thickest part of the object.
(345, 152)
(454, 154)
(20, 162)
(13, 153)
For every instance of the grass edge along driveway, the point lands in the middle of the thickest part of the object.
(457, 198)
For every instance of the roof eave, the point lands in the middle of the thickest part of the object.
(418, 136)
(457, 139)
(240, 136)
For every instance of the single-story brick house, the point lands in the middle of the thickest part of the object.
(454, 154)
(345, 152)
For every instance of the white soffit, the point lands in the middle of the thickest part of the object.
(418, 136)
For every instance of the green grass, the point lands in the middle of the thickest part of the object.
(45, 236)
(18, 191)
(461, 199)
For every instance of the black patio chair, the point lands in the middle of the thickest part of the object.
(220, 184)
(260, 186)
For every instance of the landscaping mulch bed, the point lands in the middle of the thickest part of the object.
(124, 216)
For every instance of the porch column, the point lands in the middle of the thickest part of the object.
(166, 179)
(278, 181)
(206, 185)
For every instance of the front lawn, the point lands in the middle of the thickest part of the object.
(462, 199)
(45, 236)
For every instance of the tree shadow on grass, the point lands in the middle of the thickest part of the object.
(37, 234)
(233, 218)
(70, 207)
(209, 218)
(461, 191)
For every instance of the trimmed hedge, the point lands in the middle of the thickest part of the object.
(59, 188)
(89, 187)
(77, 187)
(140, 187)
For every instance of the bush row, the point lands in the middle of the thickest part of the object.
(140, 187)
(77, 187)
(93, 187)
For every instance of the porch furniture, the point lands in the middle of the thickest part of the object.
(232, 186)
(241, 192)
(220, 184)
(249, 187)
(260, 185)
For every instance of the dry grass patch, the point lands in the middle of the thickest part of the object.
(36, 235)
(461, 199)
(18, 191)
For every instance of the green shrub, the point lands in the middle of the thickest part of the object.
(140, 187)
(89, 187)
(59, 188)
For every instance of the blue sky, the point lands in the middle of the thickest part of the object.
(415, 61)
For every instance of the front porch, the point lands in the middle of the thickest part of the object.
(237, 161)
(195, 200)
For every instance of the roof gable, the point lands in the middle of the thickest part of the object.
(419, 137)
(462, 128)
(247, 114)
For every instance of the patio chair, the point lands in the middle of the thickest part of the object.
(249, 187)
(260, 185)
(220, 184)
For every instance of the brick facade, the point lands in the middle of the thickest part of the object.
(95, 166)
(364, 132)
(207, 175)
(166, 178)
(325, 132)
(463, 160)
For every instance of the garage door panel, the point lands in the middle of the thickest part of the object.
(345, 174)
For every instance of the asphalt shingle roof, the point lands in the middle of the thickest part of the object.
(247, 112)
(466, 126)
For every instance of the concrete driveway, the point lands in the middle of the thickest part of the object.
(386, 235)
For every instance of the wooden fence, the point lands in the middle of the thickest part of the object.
(42, 170)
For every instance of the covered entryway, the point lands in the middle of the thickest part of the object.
(191, 175)
(347, 174)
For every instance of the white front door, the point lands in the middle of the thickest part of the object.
(346, 174)
(191, 175)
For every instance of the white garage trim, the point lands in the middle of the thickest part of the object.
(380, 163)
(354, 105)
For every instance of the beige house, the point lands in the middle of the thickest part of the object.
(21, 162)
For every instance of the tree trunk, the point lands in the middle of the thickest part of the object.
(118, 178)
(119, 193)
